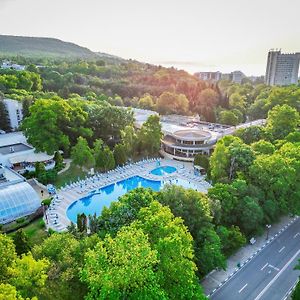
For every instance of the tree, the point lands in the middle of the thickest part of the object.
(263, 147)
(210, 255)
(82, 223)
(241, 158)
(150, 134)
(228, 117)
(82, 154)
(205, 103)
(107, 121)
(109, 160)
(59, 160)
(194, 208)
(4, 117)
(29, 275)
(173, 243)
(66, 254)
(21, 242)
(120, 155)
(39, 169)
(201, 160)
(65, 123)
(231, 239)
(172, 103)
(129, 139)
(275, 175)
(219, 162)
(227, 196)
(7, 256)
(296, 292)
(250, 215)
(282, 120)
(9, 292)
(104, 157)
(123, 267)
(238, 102)
(250, 134)
(146, 102)
(124, 211)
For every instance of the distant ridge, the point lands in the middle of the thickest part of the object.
(43, 47)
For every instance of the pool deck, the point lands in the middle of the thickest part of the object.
(56, 217)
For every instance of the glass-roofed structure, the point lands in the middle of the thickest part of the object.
(17, 197)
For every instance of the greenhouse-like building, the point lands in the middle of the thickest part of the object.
(17, 197)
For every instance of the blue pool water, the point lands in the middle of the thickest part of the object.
(163, 170)
(94, 202)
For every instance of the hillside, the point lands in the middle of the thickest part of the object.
(43, 47)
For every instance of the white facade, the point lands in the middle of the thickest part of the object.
(282, 69)
(237, 76)
(17, 154)
(15, 112)
(6, 64)
(210, 76)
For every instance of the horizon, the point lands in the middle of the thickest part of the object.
(232, 36)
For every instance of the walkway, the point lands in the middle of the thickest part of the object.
(67, 166)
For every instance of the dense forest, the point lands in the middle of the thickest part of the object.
(134, 84)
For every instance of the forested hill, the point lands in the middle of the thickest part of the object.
(46, 47)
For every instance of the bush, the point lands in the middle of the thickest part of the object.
(20, 221)
(51, 231)
(47, 201)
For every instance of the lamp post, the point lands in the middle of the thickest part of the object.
(268, 226)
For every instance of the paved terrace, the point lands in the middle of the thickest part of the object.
(56, 217)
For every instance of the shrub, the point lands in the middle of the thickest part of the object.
(20, 220)
(47, 201)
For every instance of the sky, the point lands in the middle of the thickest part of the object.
(194, 35)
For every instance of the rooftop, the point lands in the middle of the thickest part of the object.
(12, 138)
(14, 148)
(192, 134)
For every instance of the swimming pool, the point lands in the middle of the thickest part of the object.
(94, 202)
(163, 170)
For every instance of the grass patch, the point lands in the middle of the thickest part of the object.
(70, 175)
(35, 232)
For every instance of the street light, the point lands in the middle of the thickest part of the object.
(268, 226)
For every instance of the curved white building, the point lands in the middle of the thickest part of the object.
(184, 144)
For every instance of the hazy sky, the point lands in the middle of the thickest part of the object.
(196, 35)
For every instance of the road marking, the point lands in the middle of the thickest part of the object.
(264, 266)
(273, 267)
(296, 235)
(275, 278)
(281, 249)
(243, 288)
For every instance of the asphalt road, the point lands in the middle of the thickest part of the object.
(270, 274)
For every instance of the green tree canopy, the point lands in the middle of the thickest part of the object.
(282, 120)
(82, 154)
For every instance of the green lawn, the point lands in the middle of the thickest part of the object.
(70, 175)
(35, 232)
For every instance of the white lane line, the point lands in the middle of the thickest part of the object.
(273, 267)
(243, 288)
(264, 266)
(281, 249)
(277, 275)
(296, 235)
